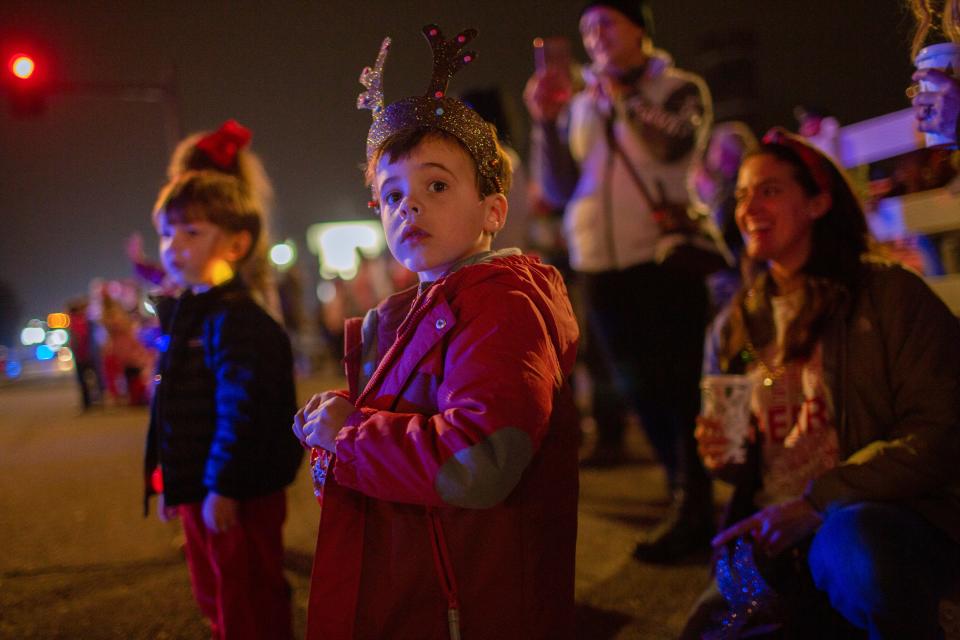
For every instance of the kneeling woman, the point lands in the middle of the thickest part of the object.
(850, 482)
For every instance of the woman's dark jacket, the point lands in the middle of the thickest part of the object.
(224, 399)
(891, 360)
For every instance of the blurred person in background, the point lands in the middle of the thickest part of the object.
(638, 123)
(126, 360)
(492, 106)
(820, 128)
(218, 453)
(713, 180)
(937, 108)
(85, 353)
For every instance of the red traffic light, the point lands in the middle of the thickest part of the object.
(25, 81)
(22, 66)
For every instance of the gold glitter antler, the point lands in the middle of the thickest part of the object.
(448, 57)
(372, 79)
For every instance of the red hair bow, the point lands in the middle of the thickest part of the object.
(222, 145)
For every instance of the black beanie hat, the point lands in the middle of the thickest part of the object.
(637, 11)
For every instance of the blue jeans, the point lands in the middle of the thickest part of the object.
(884, 568)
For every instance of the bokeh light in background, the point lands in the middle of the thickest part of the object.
(32, 334)
(283, 255)
(64, 359)
(57, 338)
(22, 66)
(44, 350)
(340, 245)
(13, 369)
(326, 291)
(58, 321)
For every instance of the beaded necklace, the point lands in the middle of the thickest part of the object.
(751, 354)
(770, 374)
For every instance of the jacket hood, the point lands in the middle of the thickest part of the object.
(540, 282)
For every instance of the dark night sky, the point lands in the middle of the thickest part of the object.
(77, 181)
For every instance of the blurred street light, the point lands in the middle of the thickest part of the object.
(22, 66)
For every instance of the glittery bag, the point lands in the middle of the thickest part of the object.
(320, 462)
(771, 597)
(752, 602)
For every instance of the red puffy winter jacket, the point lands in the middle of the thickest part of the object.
(455, 483)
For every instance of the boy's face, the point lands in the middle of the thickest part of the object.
(197, 254)
(431, 211)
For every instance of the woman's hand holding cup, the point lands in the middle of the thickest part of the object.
(712, 443)
(937, 105)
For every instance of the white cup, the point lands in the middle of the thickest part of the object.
(946, 57)
(726, 400)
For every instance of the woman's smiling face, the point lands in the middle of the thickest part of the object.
(774, 213)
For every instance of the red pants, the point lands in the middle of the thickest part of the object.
(237, 575)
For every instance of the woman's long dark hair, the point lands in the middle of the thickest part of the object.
(840, 240)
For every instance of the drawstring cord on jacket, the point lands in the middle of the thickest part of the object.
(441, 555)
(448, 581)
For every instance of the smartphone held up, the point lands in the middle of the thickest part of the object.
(552, 84)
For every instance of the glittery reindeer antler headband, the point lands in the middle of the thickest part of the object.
(435, 108)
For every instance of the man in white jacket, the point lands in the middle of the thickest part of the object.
(638, 120)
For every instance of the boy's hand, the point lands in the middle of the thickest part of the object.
(219, 512)
(165, 513)
(303, 414)
(324, 422)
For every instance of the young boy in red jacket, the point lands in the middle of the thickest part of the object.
(448, 472)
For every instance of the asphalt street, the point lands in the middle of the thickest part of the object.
(78, 559)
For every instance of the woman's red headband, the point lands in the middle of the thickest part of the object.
(812, 159)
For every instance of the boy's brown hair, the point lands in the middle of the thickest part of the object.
(214, 197)
(227, 202)
(401, 144)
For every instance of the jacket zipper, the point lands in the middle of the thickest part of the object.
(416, 311)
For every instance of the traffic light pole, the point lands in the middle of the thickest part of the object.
(165, 93)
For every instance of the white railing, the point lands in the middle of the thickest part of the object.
(926, 212)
